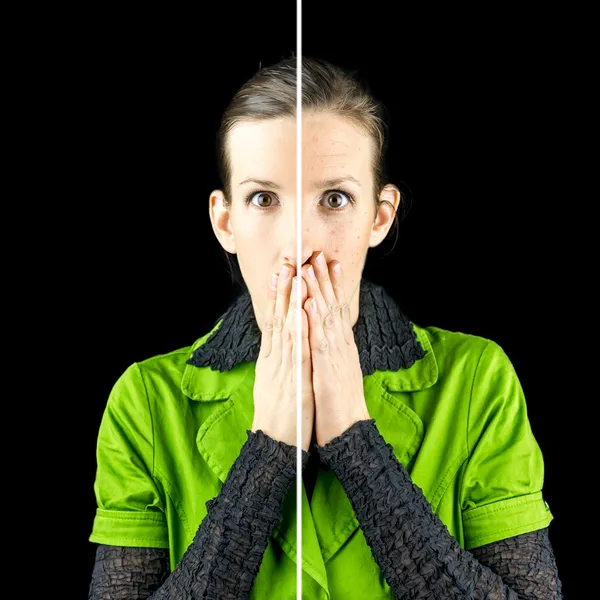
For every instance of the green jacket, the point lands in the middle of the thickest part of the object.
(457, 420)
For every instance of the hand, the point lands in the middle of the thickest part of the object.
(275, 381)
(337, 379)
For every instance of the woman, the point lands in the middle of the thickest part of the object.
(422, 477)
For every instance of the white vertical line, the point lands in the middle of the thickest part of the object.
(298, 298)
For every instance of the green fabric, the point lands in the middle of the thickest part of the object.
(457, 420)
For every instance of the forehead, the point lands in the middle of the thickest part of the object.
(329, 143)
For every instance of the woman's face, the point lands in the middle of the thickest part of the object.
(339, 216)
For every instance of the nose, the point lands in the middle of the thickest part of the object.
(309, 244)
(291, 257)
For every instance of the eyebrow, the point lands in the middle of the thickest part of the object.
(331, 183)
(262, 182)
(325, 183)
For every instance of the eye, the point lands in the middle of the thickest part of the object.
(264, 199)
(337, 199)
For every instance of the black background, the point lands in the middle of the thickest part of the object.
(479, 116)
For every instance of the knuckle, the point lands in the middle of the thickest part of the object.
(277, 324)
(323, 344)
(328, 321)
(345, 310)
(334, 309)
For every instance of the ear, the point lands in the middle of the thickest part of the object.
(220, 218)
(389, 197)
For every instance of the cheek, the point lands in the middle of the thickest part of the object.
(349, 247)
(346, 238)
(333, 242)
(251, 239)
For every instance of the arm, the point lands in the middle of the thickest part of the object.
(225, 555)
(416, 553)
(525, 562)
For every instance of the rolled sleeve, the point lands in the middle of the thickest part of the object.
(130, 500)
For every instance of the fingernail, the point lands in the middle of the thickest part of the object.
(337, 269)
(321, 259)
(285, 273)
(311, 272)
(274, 279)
(294, 284)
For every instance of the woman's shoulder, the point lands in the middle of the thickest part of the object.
(169, 364)
(453, 343)
(172, 359)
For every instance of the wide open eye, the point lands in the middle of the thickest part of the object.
(261, 199)
(336, 199)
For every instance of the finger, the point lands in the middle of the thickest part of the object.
(328, 321)
(338, 287)
(319, 343)
(290, 318)
(281, 306)
(306, 395)
(305, 331)
(266, 337)
(320, 280)
(303, 317)
(289, 328)
(296, 281)
(306, 368)
(324, 278)
(291, 321)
